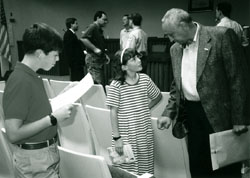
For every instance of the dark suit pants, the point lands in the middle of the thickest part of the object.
(76, 73)
(144, 62)
(199, 148)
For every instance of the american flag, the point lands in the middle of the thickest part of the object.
(4, 39)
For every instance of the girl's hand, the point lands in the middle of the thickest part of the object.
(119, 146)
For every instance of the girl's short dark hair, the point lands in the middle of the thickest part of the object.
(127, 55)
(41, 36)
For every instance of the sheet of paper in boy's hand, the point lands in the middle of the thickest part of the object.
(227, 148)
(73, 94)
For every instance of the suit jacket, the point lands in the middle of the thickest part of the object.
(73, 49)
(221, 80)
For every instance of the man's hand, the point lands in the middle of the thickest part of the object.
(97, 51)
(240, 129)
(63, 112)
(163, 122)
(108, 59)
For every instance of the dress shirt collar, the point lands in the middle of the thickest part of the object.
(72, 31)
(127, 29)
(136, 27)
(197, 32)
(196, 36)
(224, 19)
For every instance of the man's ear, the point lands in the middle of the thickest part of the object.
(219, 12)
(39, 53)
(124, 67)
(183, 25)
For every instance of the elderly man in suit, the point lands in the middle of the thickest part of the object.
(209, 86)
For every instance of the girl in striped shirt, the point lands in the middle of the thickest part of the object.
(130, 97)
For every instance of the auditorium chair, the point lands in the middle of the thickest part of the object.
(2, 85)
(95, 96)
(74, 133)
(58, 85)
(6, 165)
(78, 165)
(170, 154)
(50, 92)
(102, 131)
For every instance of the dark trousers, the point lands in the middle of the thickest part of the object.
(76, 73)
(199, 147)
(144, 62)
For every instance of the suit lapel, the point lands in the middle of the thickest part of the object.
(203, 51)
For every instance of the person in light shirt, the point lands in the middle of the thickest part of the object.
(124, 34)
(138, 39)
(223, 12)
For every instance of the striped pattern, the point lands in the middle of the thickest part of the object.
(4, 41)
(134, 120)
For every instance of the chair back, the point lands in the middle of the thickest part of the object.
(58, 86)
(1, 98)
(170, 154)
(102, 130)
(48, 89)
(2, 85)
(6, 164)
(1, 110)
(79, 165)
(107, 88)
(95, 96)
(74, 133)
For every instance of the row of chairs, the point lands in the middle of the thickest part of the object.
(95, 96)
(6, 166)
(88, 133)
(77, 154)
(171, 157)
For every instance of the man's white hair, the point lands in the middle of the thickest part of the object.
(175, 16)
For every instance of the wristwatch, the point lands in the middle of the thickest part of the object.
(53, 120)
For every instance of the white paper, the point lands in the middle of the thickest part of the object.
(227, 148)
(73, 94)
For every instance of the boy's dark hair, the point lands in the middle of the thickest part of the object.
(225, 8)
(41, 36)
(136, 19)
(98, 14)
(69, 22)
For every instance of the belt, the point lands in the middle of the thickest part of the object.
(38, 145)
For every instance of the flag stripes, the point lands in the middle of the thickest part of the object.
(4, 40)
